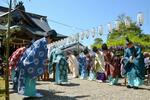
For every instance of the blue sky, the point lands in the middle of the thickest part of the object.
(86, 14)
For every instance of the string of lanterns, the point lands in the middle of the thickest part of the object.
(95, 31)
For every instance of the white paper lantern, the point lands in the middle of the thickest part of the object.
(55, 44)
(110, 27)
(140, 18)
(72, 39)
(93, 31)
(100, 30)
(62, 42)
(77, 37)
(82, 35)
(58, 44)
(117, 23)
(127, 22)
(65, 41)
(87, 34)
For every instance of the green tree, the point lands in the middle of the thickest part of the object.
(134, 32)
(97, 42)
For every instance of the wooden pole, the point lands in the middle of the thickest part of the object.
(7, 53)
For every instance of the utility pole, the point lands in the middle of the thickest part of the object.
(7, 52)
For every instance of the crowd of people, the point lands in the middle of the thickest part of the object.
(103, 65)
(28, 63)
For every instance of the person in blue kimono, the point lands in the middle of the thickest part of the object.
(86, 61)
(59, 66)
(32, 64)
(13, 63)
(134, 65)
(83, 65)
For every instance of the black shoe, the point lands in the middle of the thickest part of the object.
(128, 86)
(135, 87)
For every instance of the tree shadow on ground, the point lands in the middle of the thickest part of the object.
(52, 96)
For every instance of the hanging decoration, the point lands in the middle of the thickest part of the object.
(65, 41)
(72, 38)
(117, 23)
(100, 30)
(58, 44)
(109, 27)
(127, 22)
(55, 44)
(82, 35)
(76, 37)
(87, 34)
(68, 39)
(140, 18)
(61, 43)
(93, 32)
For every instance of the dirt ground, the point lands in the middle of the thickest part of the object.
(86, 90)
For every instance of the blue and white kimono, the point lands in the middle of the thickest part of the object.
(58, 59)
(135, 70)
(31, 65)
(83, 66)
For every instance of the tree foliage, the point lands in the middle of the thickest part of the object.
(97, 42)
(134, 32)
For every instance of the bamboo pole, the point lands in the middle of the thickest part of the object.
(7, 53)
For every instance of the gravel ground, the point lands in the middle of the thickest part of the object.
(86, 90)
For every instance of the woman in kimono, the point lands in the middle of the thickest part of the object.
(32, 64)
(134, 65)
(73, 64)
(110, 66)
(58, 64)
(99, 64)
